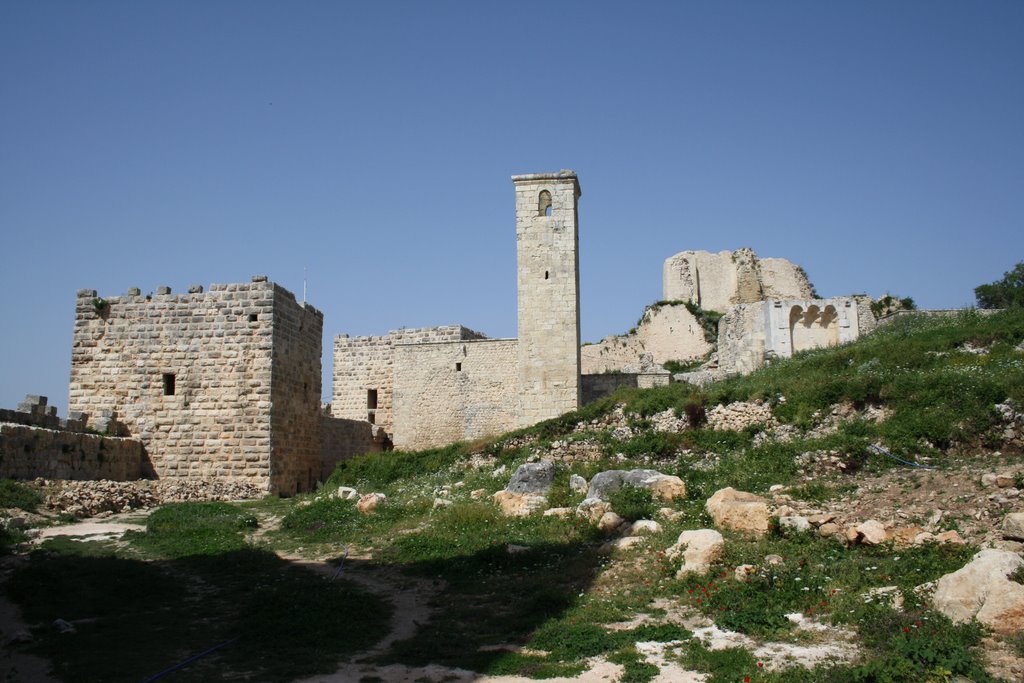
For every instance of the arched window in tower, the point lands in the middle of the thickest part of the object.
(544, 203)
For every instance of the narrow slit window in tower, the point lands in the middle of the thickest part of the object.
(458, 367)
(168, 384)
(371, 399)
(253, 317)
(546, 275)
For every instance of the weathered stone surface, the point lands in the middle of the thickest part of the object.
(532, 477)
(1013, 526)
(519, 504)
(982, 590)
(698, 549)
(370, 502)
(645, 526)
(738, 510)
(663, 487)
(609, 523)
(666, 332)
(346, 493)
(578, 484)
(872, 532)
(559, 512)
(950, 537)
(794, 524)
(593, 509)
(743, 572)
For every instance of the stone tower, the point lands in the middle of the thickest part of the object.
(547, 256)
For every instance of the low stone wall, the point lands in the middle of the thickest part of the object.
(28, 452)
(594, 387)
(342, 439)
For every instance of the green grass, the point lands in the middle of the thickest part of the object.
(184, 529)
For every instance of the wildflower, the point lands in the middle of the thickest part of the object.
(760, 665)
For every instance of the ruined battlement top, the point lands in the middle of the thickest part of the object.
(564, 174)
(428, 334)
(163, 293)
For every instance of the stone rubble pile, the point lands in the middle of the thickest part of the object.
(739, 415)
(1013, 422)
(91, 498)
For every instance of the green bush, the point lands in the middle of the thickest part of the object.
(632, 503)
(15, 495)
(378, 470)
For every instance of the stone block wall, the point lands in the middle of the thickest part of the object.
(596, 386)
(196, 377)
(342, 439)
(454, 391)
(28, 452)
(667, 332)
(366, 364)
(547, 256)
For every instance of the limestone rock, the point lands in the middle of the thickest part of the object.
(477, 494)
(1013, 526)
(829, 529)
(441, 503)
(346, 493)
(774, 560)
(593, 509)
(645, 526)
(663, 487)
(950, 537)
(698, 548)
(905, 535)
(519, 504)
(558, 512)
(982, 590)
(532, 478)
(370, 502)
(626, 542)
(872, 532)
(577, 484)
(609, 522)
(744, 572)
(738, 510)
(794, 524)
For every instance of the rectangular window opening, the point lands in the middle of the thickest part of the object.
(253, 317)
(458, 367)
(371, 416)
(371, 399)
(168, 384)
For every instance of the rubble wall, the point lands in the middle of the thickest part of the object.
(666, 332)
(28, 452)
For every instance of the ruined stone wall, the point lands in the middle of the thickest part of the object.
(454, 391)
(342, 439)
(667, 332)
(29, 452)
(365, 364)
(193, 376)
(717, 281)
(750, 333)
(596, 386)
(547, 257)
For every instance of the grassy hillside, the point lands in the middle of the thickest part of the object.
(541, 596)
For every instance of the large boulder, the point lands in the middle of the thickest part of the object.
(1013, 526)
(519, 504)
(370, 502)
(533, 477)
(698, 549)
(738, 510)
(663, 487)
(982, 590)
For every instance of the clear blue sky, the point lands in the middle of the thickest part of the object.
(878, 144)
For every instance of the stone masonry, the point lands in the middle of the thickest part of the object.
(666, 332)
(218, 385)
(364, 371)
(717, 281)
(547, 257)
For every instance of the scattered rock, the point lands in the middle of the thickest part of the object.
(626, 542)
(609, 522)
(744, 572)
(829, 529)
(645, 526)
(513, 549)
(663, 487)
(1013, 526)
(346, 493)
(794, 524)
(477, 494)
(698, 548)
(988, 479)
(558, 512)
(773, 560)
(982, 590)
(886, 595)
(738, 510)
(577, 484)
(906, 535)
(669, 514)
(370, 502)
(519, 504)
(949, 537)
(1005, 480)
(533, 478)
(593, 509)
(872, 532)
(441, 503)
